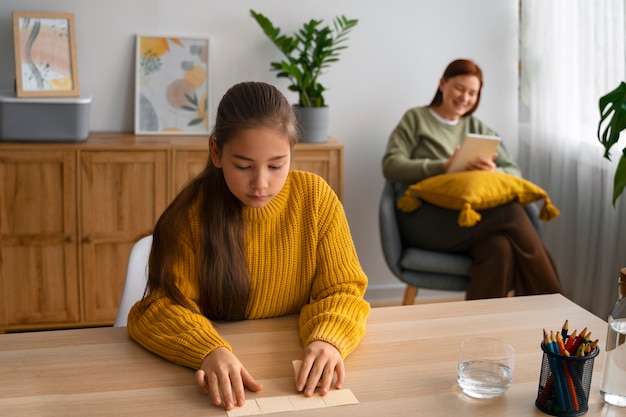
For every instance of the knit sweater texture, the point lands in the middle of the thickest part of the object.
(420, 145)
(301, 260)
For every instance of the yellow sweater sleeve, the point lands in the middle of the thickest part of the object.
(337, 312)
(170, 330)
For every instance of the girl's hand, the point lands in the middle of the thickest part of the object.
(482, 164)
(221, 374)
(320, 362)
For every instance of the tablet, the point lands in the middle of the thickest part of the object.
(473, 145)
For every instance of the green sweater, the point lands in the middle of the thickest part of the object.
(301, 260)
(420, 144)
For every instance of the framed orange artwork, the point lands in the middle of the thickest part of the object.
(45, 55)
(172, 85)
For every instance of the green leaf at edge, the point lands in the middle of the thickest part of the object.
(619, 181)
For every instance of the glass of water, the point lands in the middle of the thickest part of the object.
(485, 368)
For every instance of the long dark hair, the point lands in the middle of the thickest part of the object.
(454, 69)
(223, 279)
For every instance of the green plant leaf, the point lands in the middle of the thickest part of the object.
(619, 181)
(612, 122)
(612, 117)
(311, 49)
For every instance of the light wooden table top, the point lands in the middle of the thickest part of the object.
(405, 365)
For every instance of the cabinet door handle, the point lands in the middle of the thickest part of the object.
(87, 239)
(69, 238)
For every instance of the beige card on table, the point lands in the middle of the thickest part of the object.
(294, 402)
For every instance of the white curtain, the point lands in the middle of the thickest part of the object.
(572, 53)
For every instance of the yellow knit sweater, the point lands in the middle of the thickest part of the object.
(301, 259)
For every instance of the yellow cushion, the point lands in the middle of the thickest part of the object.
(469, 191)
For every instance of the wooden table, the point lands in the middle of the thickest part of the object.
(405, 366)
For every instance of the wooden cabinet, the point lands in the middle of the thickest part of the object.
(38, 252)
(122, 193)
(325, 159)
(186, 164)
(70, 213)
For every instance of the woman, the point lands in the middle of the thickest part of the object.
(250, 239)
(507, 252)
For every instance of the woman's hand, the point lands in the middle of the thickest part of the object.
(482, 164)
(221, 374)
(320, 362)
(446, 165)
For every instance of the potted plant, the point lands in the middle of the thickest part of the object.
(613, 119)
(307, 53)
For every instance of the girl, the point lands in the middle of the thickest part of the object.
(250, 239)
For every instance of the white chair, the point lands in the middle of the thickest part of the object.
(136, 278)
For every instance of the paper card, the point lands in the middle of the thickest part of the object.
(340, 397)
(293, 403)
(296, 367)
(275, 404)
(300, 402)
(296, 402)
(250, 408)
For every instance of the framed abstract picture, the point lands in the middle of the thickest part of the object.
(45, 55)
(172, 85)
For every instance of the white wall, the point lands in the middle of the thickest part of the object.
(395, 56)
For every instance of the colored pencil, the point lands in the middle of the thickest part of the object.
(572, 388)
(577, 342)
(570, 341)
(561, 386)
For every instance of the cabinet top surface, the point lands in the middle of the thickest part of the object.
(124, 140)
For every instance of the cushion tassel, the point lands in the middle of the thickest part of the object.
(408, 203)
(548, 211)
(468, 217)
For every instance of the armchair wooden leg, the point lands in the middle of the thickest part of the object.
(409, 295)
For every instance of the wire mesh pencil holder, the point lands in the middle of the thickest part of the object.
(564, 383)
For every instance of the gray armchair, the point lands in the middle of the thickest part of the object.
(420, 268)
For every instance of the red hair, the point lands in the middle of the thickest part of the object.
(454, 69)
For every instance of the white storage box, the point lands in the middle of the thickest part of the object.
(44, 119)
